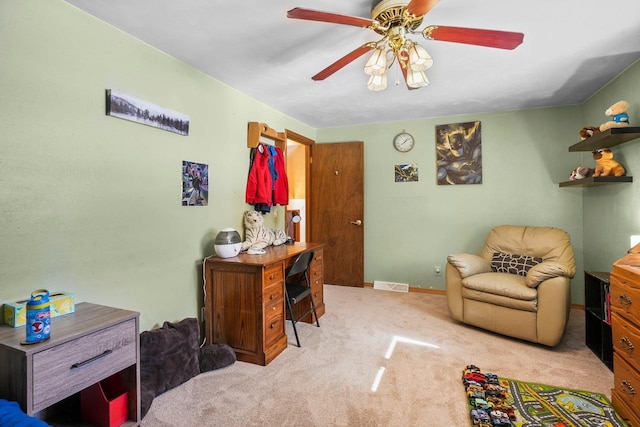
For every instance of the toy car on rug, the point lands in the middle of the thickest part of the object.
(486, 399)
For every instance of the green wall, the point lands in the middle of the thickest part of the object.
(90, 204)
(612, 213)
(412, 227)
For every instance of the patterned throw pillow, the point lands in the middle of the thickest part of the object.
(513, 264)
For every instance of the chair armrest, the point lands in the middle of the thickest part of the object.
(468, 264)
(547, 270)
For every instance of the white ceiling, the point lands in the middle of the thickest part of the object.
(571, 49)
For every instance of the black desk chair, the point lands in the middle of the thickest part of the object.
(297, 288)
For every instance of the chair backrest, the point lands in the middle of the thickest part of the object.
(301, 264)
(548, 243)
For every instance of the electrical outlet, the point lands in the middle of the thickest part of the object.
(437, 271)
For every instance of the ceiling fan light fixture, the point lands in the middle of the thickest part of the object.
(416, 78)
(395, 20)
(419, 59)
(377, 63)
(377, 82)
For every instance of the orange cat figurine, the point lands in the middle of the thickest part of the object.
(605, 165)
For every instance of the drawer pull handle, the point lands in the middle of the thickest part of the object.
(626, 343)
(624, 300)
(273, 325)
(273, 308)
(628, 388)
(94, 358)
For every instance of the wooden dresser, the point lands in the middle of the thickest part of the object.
(625, 322)
(244, 300)
(85, 347)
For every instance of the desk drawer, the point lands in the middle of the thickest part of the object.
(65, 369)
(626, 338)
(273, 293)
(627, 383)
(274, 323)
(272, 274)
(625, 297)
(317, 257)
(315, 277)
(315, 270)
(623, 410)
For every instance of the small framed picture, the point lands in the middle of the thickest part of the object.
(406, 173)
(195, 184)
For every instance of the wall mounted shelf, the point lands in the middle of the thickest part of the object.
(607, 139)
(596, 181)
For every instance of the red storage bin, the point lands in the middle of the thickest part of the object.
(105, 404)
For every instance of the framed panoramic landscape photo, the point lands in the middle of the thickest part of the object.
(127, 107)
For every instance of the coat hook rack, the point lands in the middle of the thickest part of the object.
(256, 130)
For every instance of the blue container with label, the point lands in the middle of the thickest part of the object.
(38, 316)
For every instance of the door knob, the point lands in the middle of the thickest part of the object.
(356, 222)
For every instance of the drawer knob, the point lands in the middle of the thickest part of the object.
(273, 308)
(628, 388)
(624, 300)
(93, 359)
(272, 276)
(273, 325)
(626, 344)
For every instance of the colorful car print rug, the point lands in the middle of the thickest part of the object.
(502, 402)
(540, 405)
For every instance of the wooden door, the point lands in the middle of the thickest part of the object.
(336, 209)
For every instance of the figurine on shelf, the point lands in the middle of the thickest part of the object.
(581, 172)
(618, 114)
(605, 165)
(588, 132)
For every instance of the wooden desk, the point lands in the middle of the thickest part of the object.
(244, 300)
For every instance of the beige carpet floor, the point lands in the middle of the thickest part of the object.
(406, 340)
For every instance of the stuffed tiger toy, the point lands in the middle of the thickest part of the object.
(257, 236)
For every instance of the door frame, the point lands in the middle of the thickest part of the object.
(303, 140)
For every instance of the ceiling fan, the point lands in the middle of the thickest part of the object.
(395, 20)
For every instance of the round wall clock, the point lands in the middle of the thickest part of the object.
(403, 142)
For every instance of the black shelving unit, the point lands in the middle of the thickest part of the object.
(598, 315)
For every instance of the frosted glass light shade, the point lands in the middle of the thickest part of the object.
(416, 78)
(419, 59)
(377, 63)
(377, 82)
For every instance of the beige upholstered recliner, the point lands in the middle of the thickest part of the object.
(532, 304)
